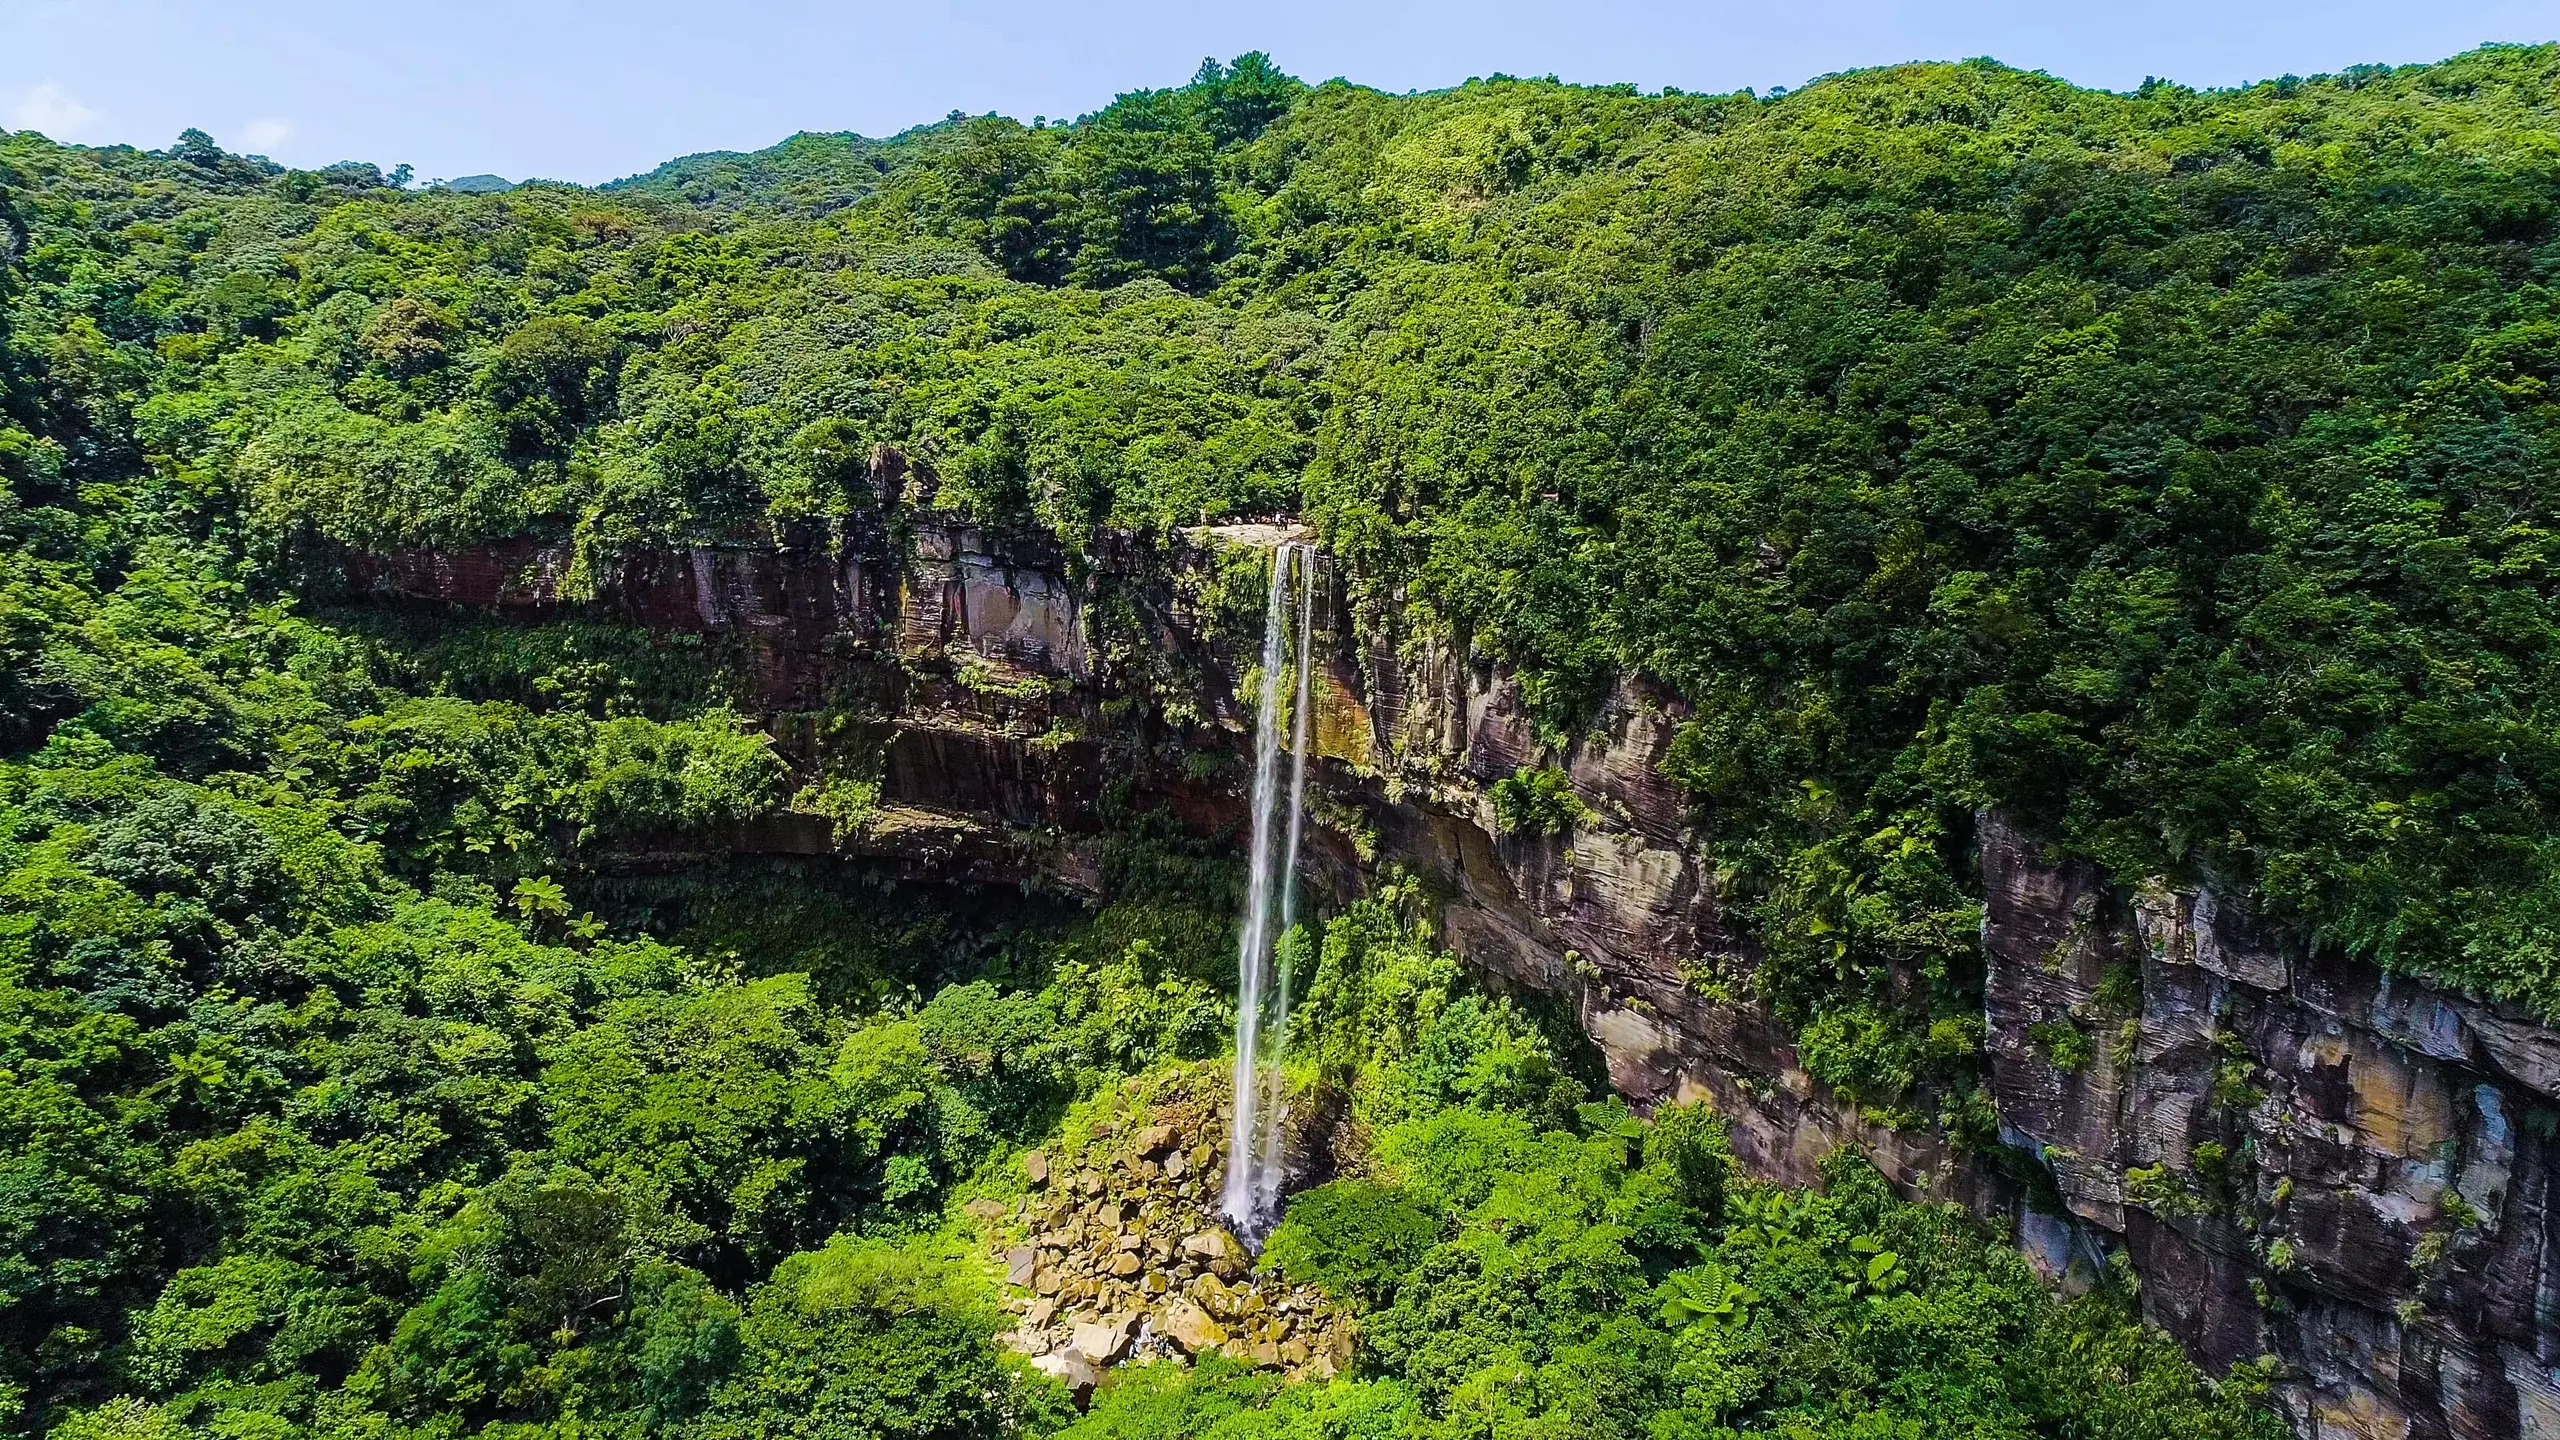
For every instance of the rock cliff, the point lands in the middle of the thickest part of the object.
(2299, 1155)
(2302, 1155)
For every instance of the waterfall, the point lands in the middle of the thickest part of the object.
(1266, 1189)
(1252, 1192)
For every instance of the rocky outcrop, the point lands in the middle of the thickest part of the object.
(818, 612)
(2302, 1157)
(960, 670)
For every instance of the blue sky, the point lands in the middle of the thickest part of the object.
(588, 92)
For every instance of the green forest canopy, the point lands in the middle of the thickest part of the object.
(2172, 470)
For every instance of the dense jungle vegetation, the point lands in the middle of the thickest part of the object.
(2172, 470)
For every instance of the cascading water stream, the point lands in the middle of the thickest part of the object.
(1267, 1167)
(1252, 1191)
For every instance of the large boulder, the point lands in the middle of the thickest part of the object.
(1071, 1369)
(1218, 1249)
(1103, 1341)
(1191, 1327)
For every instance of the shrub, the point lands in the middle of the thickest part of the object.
(1536, 802)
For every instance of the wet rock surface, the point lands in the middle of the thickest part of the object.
(1116, 1254)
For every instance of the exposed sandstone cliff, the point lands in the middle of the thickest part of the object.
(2300, 1155)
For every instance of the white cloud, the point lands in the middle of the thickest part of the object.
(55, 111)
(262, 136)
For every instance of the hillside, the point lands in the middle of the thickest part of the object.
(419, 1026)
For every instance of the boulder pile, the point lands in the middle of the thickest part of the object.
(1117, 1253)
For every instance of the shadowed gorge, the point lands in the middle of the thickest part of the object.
(1886, 752)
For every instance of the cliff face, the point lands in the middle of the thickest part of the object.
(2302, 1155)
(2299, 1155)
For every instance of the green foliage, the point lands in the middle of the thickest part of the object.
(866, 1339)
(1612, 1277)
(448, 781)
(1354, 1238)
(601, 670)
(1390, 1008)
(1951, 437)
(1689, 1142)
(722, 1109)
(1536, 802)
(2162, 1191)
(2170, 472)
(809, 174)
(290, 1139)
(2064, 1044)
(1220, 1399)
(687, 1339)
(2165, 469)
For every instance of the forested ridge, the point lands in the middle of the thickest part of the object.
(2170, 471)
